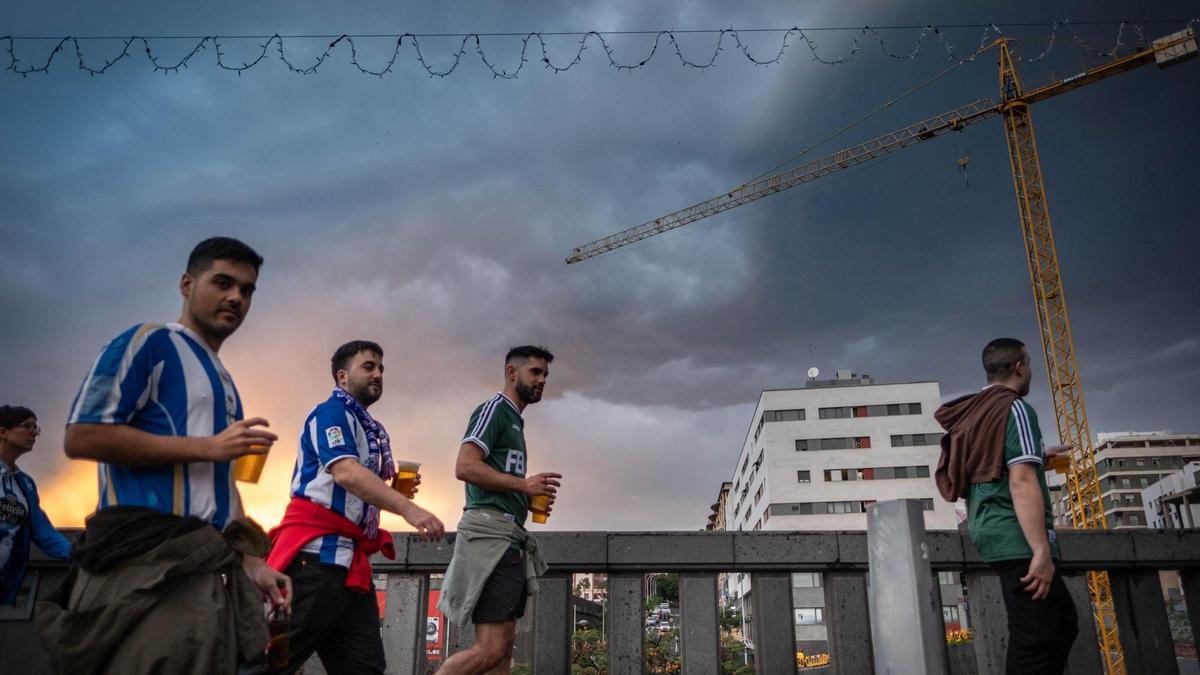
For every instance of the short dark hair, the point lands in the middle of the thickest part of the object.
(221, 248)
(1000, 355)
(346, 353)
(525, 352)
(12, 415)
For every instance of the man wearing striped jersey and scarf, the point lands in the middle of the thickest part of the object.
(993, 455)
(331, 526)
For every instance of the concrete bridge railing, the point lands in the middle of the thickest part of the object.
(1133, 558)
(895, 563)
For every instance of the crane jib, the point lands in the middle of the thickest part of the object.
(1167, 51)
(953, 120)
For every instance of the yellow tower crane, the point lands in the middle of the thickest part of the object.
(1083, 487)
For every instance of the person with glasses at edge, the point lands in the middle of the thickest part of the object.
(22, 519)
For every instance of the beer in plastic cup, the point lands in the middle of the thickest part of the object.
(540, 505)
(405, 481)
(277, 647)
(249, 468)
(1061, 463)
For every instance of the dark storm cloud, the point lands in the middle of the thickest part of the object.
(434, 214)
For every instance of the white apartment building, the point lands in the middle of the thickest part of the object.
(1127, 463)
(815, 457)
(1173, 503)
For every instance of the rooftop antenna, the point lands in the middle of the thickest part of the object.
(813, 372)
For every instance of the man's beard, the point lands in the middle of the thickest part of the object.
(214, 329)
(527, 393)
(363, 394)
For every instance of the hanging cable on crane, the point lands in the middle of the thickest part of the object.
(963, 152)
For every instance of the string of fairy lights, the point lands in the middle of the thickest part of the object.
(1058, 32)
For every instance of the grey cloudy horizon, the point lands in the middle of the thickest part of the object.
(433, 216)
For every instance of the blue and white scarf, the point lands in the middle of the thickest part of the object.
(379, 446)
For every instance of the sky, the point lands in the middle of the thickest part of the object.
(433, 215)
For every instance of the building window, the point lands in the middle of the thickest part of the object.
(803, 476)
(948, 579)
(845, 443)
(911, 440)
(950, 613)
(926, 504)
(844, 412)
(834, 413)
(801, 445)
(806, 580)
(793, 415)
(810, 616)
(922, 471)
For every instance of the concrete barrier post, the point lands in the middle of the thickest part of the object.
(699, 635)
(907, 632)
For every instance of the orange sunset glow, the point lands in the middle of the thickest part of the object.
(423, 431)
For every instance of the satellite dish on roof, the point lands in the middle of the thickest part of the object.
(813, 373)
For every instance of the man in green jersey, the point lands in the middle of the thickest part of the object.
(495, 561)
(993, 455)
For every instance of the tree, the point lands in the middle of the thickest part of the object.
(668, 588)
(653, 602)
(662, 652)
(733, 658)
(730, 619)
(589, 653)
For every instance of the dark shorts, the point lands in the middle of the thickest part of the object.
(504, 594)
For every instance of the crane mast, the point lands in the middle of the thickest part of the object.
(1058, 344)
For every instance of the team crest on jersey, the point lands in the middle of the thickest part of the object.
(334, 437)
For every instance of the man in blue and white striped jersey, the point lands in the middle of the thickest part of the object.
(160, 414)
(331, 526)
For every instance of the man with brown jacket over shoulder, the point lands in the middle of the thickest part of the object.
(994, 457)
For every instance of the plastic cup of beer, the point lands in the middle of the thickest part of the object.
(1060, 463)
(540, 505)
(249, 468)
(405, 481)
